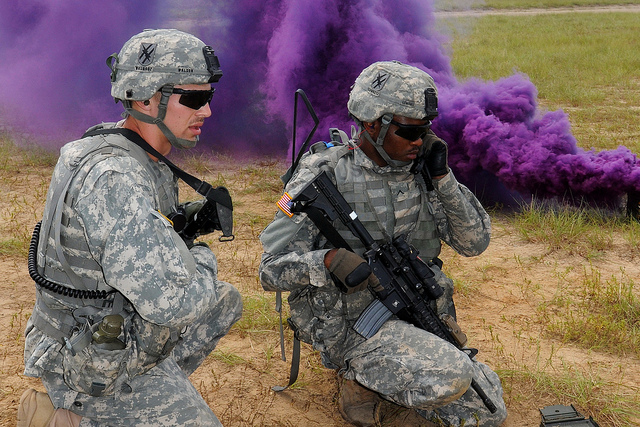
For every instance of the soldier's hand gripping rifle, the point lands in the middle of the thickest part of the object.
(407, 283)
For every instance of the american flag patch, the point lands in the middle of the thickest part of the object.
(285, 204)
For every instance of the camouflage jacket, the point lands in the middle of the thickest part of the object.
(114, 236)
(389, 201)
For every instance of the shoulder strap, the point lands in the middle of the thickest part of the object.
(201, 187)
(53, 216)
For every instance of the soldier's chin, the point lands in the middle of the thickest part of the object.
(185, 143)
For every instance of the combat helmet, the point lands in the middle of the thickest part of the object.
(389, 88)
(156, 61)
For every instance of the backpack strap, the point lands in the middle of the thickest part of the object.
(338, 139)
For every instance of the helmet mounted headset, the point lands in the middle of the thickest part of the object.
(157, 61)
(389, 88)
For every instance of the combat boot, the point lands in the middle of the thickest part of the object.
(357, 404)
(388, 414)
(36, 410)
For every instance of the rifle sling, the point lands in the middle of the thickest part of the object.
(201, 187)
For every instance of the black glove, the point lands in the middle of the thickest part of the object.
(436, 160)
(351, 273)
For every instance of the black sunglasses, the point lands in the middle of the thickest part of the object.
(411, 132)
(194, 99)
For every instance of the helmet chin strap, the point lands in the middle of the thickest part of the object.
(166, 92)
(378, 143)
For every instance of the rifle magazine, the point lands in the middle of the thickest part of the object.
(372, 319)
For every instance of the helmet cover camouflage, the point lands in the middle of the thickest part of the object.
(391, 87)
(154, 58)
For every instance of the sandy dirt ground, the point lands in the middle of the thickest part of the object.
(499, 300)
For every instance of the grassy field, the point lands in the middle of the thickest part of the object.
(525, 4)
(528, 4)
(585, 64)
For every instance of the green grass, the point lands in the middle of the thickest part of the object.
(259, 315)
(545, 4)
(14, 158)
(228, 358)
(456, 5)
(583, 63)
(12, 247)
(263, 180)
(598, 314)
(583, 231)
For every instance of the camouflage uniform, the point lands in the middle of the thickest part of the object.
(175, 309)
(406, 365)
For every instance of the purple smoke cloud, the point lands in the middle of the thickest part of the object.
(54, 84)
(52, 74)
(496, 128)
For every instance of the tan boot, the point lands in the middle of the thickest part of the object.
(35, 409)
(65, 418)
(357, 403)
(388, 414)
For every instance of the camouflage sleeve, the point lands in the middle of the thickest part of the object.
(140, 253)
(462, 222)
(293, 257)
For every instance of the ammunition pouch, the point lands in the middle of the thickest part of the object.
(95, 370)
(99, 369)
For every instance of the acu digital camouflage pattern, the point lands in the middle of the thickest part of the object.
(389, 87)
(155, 58)
(407, 365)
(115, 199)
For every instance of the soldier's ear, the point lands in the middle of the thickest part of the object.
(369, 127)
(142, 105)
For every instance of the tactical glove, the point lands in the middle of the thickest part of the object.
(351, 273)
(192, 208)
(436, 160)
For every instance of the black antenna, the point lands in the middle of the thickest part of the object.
(294, 159)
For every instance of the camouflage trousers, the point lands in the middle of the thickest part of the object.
(416, 369)
(163, 396)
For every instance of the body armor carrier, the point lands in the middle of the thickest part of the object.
(364, 195)
(72, 296)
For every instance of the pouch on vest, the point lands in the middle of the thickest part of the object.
(96, 369)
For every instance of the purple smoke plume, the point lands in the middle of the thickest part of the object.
(498, 135)
(52, 74)
(54, 84)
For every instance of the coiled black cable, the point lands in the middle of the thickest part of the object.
(55, 287)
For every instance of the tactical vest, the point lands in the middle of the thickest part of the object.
(413, 215)
(412, 212)
(63, 257)
(62, 243)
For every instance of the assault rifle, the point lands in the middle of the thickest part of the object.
(194, 219)
(408, 283)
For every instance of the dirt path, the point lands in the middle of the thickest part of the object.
(631, 8)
